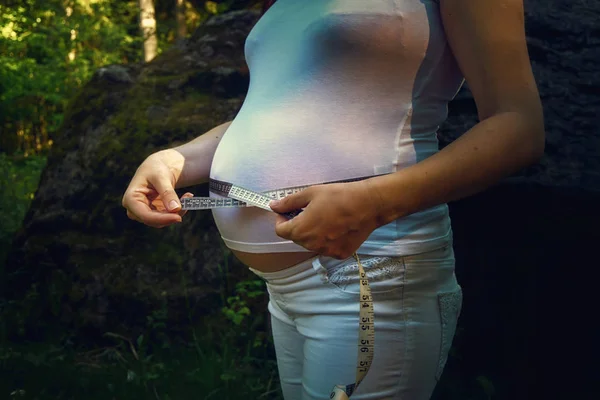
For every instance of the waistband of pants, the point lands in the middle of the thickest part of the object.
(314, 263)
(286, 272)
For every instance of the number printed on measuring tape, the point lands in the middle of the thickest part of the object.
(239, 197)
(366, 338)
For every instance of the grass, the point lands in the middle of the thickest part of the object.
(225, 355)
(211, 367)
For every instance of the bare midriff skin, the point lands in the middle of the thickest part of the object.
(271, 262)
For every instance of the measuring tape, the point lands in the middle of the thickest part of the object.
(366, 337)
(237, 196)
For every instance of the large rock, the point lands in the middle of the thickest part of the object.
(78, 259)
(563, 38)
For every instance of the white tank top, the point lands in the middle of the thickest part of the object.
(338, 89)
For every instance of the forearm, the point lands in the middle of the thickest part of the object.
(490, 151)
(197, 155)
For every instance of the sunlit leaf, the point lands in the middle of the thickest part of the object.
(212, 7)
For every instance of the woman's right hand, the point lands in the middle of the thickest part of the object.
(150, 197)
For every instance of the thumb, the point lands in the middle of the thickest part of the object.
(165, 190)
(292, 202)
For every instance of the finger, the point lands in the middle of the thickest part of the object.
(147, 216)
(165, 190)
(284, 227)
(292, 202)
(280, 219)
(132, 216)
(185, 196)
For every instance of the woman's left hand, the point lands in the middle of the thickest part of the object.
(336, 220)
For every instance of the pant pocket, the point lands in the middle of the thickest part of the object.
(450, 304)
(385, 274)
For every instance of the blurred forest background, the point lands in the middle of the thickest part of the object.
(48, 50)
(94, 306)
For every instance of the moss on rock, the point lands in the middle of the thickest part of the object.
(79, 262)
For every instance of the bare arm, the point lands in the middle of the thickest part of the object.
(198, 155)
(488, 40)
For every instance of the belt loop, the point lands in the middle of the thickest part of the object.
(320, 270)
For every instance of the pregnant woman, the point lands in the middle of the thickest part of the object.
(343, 89)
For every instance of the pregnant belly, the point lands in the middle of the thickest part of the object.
(271, 262)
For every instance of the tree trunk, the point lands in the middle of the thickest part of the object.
(148, 28)
(180, 13)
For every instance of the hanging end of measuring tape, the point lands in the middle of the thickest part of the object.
(341, 392)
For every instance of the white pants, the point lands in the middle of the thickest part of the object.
(314, 308)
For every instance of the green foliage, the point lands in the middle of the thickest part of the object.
(221, 359)
(210, 368)
(19, 177)
(237, 308)
(49, 48)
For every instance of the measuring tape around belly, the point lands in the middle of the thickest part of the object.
(237, 196)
